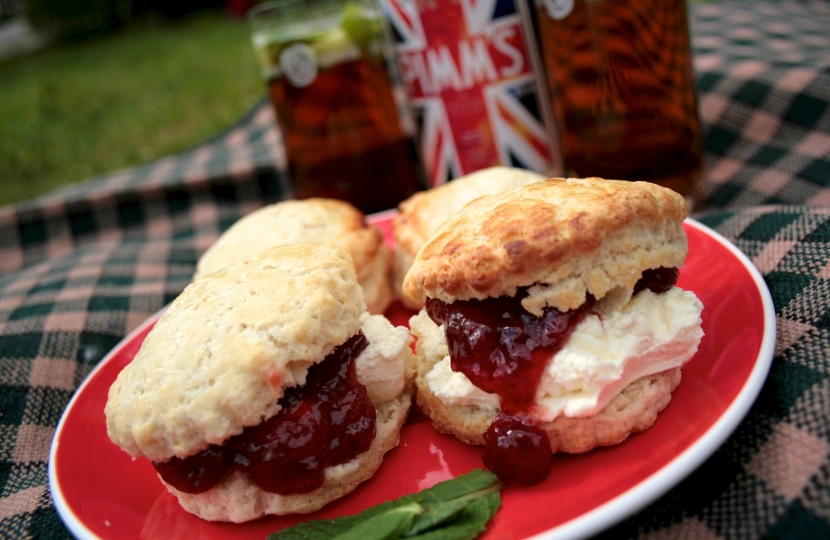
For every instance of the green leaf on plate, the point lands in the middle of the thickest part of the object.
(457, 509)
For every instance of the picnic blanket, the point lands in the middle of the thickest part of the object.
(82, 267)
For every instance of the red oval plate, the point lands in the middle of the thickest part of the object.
(101, 492)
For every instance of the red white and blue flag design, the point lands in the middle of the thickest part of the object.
(466, 67)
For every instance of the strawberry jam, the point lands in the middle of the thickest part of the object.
(503, 349)
(325, 422)
(517, 450)
(657, 280)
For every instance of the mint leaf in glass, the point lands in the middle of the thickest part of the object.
(362, 25)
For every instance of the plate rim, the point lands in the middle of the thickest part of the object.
(72, 522)
(595, 520)
(684, 464)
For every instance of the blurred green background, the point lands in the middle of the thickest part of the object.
(120, 83)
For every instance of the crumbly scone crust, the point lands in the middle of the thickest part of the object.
(373, 263)
(401, 262)
(237, 499)
(631, 411)
(424, 212)
(220, 357)
(568, 236)
(313, 221)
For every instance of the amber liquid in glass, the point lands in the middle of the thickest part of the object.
(343, 136)
(622, 87)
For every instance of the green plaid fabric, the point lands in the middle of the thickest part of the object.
(771, 479)
(231, 175)
(82, 267)
(763, 75)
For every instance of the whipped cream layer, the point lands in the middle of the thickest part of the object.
(384, 366)
(628, 338)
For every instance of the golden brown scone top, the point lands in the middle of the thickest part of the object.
(423, 213)
(315, 221)
(568, 237)
(220, 357)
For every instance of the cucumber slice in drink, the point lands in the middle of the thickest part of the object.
(334, 46)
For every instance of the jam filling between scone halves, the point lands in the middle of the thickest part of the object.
(325, 422)
(503, 349)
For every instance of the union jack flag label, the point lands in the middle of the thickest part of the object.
(472, 74)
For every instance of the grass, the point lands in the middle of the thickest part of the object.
(76, 111)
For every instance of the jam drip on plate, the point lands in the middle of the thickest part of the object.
(517, 450)
(325, 422)
(504, 349)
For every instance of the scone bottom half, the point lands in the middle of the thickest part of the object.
(528, 364)
(266, 387)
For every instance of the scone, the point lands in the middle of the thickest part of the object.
(314, 221)
(552, 320)
(266, 387)
(422, 214)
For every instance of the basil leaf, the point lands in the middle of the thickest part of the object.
(456, 509)
(435, 515)
(388, 525)
(466, 484)
(470, 523)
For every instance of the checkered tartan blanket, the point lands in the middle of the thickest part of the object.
(82, 267)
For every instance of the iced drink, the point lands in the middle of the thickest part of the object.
(332, 90)
(620, 74)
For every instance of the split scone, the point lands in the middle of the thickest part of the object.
(310, 221)
(552, 320)
(266, 387)
(423, 213)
